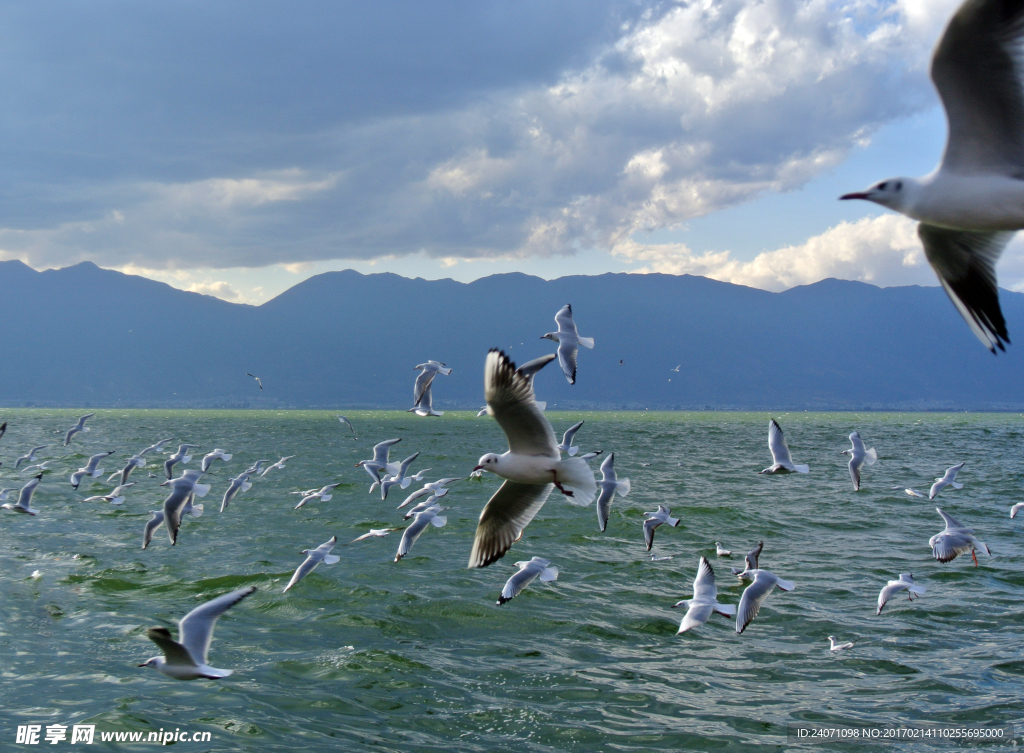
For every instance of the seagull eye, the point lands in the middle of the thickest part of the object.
(881, 186)
(899, 185)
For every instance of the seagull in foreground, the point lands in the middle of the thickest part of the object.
(322, 495)
(116, 497)
(343, 420)
(279, 464)
(430, 369)
(609, 485)
(373, 533)
(567, 446)
(954, 540)
(30, 457)
(529, 571)
(893, 587)
(182, 488)
(151, 525)
(24, 503)
(209, 457)
(425, 405)
(531, 467)
(970, 206)
(722, 552)
(180, 456)
(239, 483)
(91, 469)
(782, 462)
(833, 646)
(1016, 509)
(257, 380)
(186, 658)
(381, 460)
(313, 558)
(156, 447)
(419, 524)
(399, 479)
(750, 559)
(80, 426)
(655, 519)
(705, 599)
(859, 456)
(948, 479)
(568, 340)
(754, 595)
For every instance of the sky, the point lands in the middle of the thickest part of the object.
(236, 149)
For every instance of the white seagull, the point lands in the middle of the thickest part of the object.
(750, 559)
(430, 369)
(313, 558)
(781, 460)
(568, 340)
(181, 489)
(754, 595)
(217, 454)
(135, 461)
(655, 519)
(260, 383)
(156, 447)
(722, 552)
(428, 502)
(419, 525)
(609, 486)
(239, 483)
(116, 497)
(151, 525)
(705, 599)
(567, 446)
(893, 587)
(531, 467)
(91, 469)
(343, 420)
(954, 540)
(425, 405)
(859, 456)
(399, 479)
(970, 206)
(30, 458)
(948, 479)
(279, 464)
(24, 503)
(181, 456)
(186, 658)
(322, 495)
(833, 646)
(80, 426)
(437, 488)
(1016, 509)
(380, 461)
(529, 571)
(373, 533)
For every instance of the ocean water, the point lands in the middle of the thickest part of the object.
(369, 654)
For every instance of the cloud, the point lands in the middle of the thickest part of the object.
(220, 290)
(560, 128)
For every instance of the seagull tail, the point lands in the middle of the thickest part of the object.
(785, 585)
(587, 342)
(802, 468)
(622, 487)
(956, 484)
(577, 476)
(871, 456)
(726, 610)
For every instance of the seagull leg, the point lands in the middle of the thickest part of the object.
(975, 556)
(566, 492)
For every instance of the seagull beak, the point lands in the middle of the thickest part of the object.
(478, 468)
(857, 195)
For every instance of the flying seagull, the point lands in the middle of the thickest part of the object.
(609, 486)
(781, 460)
(80, 426)
(343, 420)
(531, 467)
(419, 524)
(567, 446)
(181, 490)
(755, 594)
(279, 464)
(859, 456)
(750, 559)
(568, 340)
(156, 447)
(971, 205)
(529, 571)
(399, 479)
(373, 533)
(30, 458)
(91, 469)
(425, 405)
(321, 494)
(239, 483)
(24, 503)
(893, 587)
(180, 456)
(257, 380)
(655, 519)
(954, 540)
(209, 457)
(948, 479)
(705, 599)
(381, 460)
(430, 369)
(186, 658)
(313, 558)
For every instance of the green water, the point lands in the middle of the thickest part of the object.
(369, 654)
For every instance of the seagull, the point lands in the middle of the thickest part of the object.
(567, 446)
(705, 599)
(955, 540)
(186, 659)
(25, 498)
(30, 457)
(209, 457)
(949, 479)
(723, 552)
(783, 463)
(91, 469)
(655, 519)
(191, 508)
(6, 492)
(859, 456)
(373, 533)
(179, 457)
(913, 492)
(833, 646)
(750, 559)
(428, 502)
(437, 488)
(754, 595)
(590, 455)
(115, 497)
(156, 447)
(239, 483)
(279, 464)
(1016, 509)
(181, 489)
(970, 206)
(80, 426)
(676, 369)
(255, 467)
(257, 380)
(380, 461)
(568, 340)
(343, 420)
(322, 495)
(399, 478)
(419, 475)
(425, 405)
(419, 524)
(609, 486)
(135, 461)
(893, 587)
(531, 467)
(313, 558)
(529, 571)
(151, 525)
(430, 369)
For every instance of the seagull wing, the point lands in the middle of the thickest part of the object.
(777, 444)
(382, 451)
(519, 581)
(952, 524)
(696, 615)
(196, 627)
(753, 597)
(503, 519)
(608, 468)
(604, 504)
(423, 381)
(976, 68)
(410, 534)
(892, 588)
(564, 319)
(857, 442)
(570, 433)
(704, 584)
(855, 472)
(512, 402)
(948, 546)
(308, 566)
(965, 262)
(567, 351)
(174, 652)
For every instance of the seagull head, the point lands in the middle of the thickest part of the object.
(155, 662)
(550, 336)
(893, 193)
(488, 462)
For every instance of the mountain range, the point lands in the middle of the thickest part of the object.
(84, 336)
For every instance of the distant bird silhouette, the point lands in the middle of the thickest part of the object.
(257, 380)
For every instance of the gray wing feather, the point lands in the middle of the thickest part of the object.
(196, 628)
(512, 402)
(503, 519)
